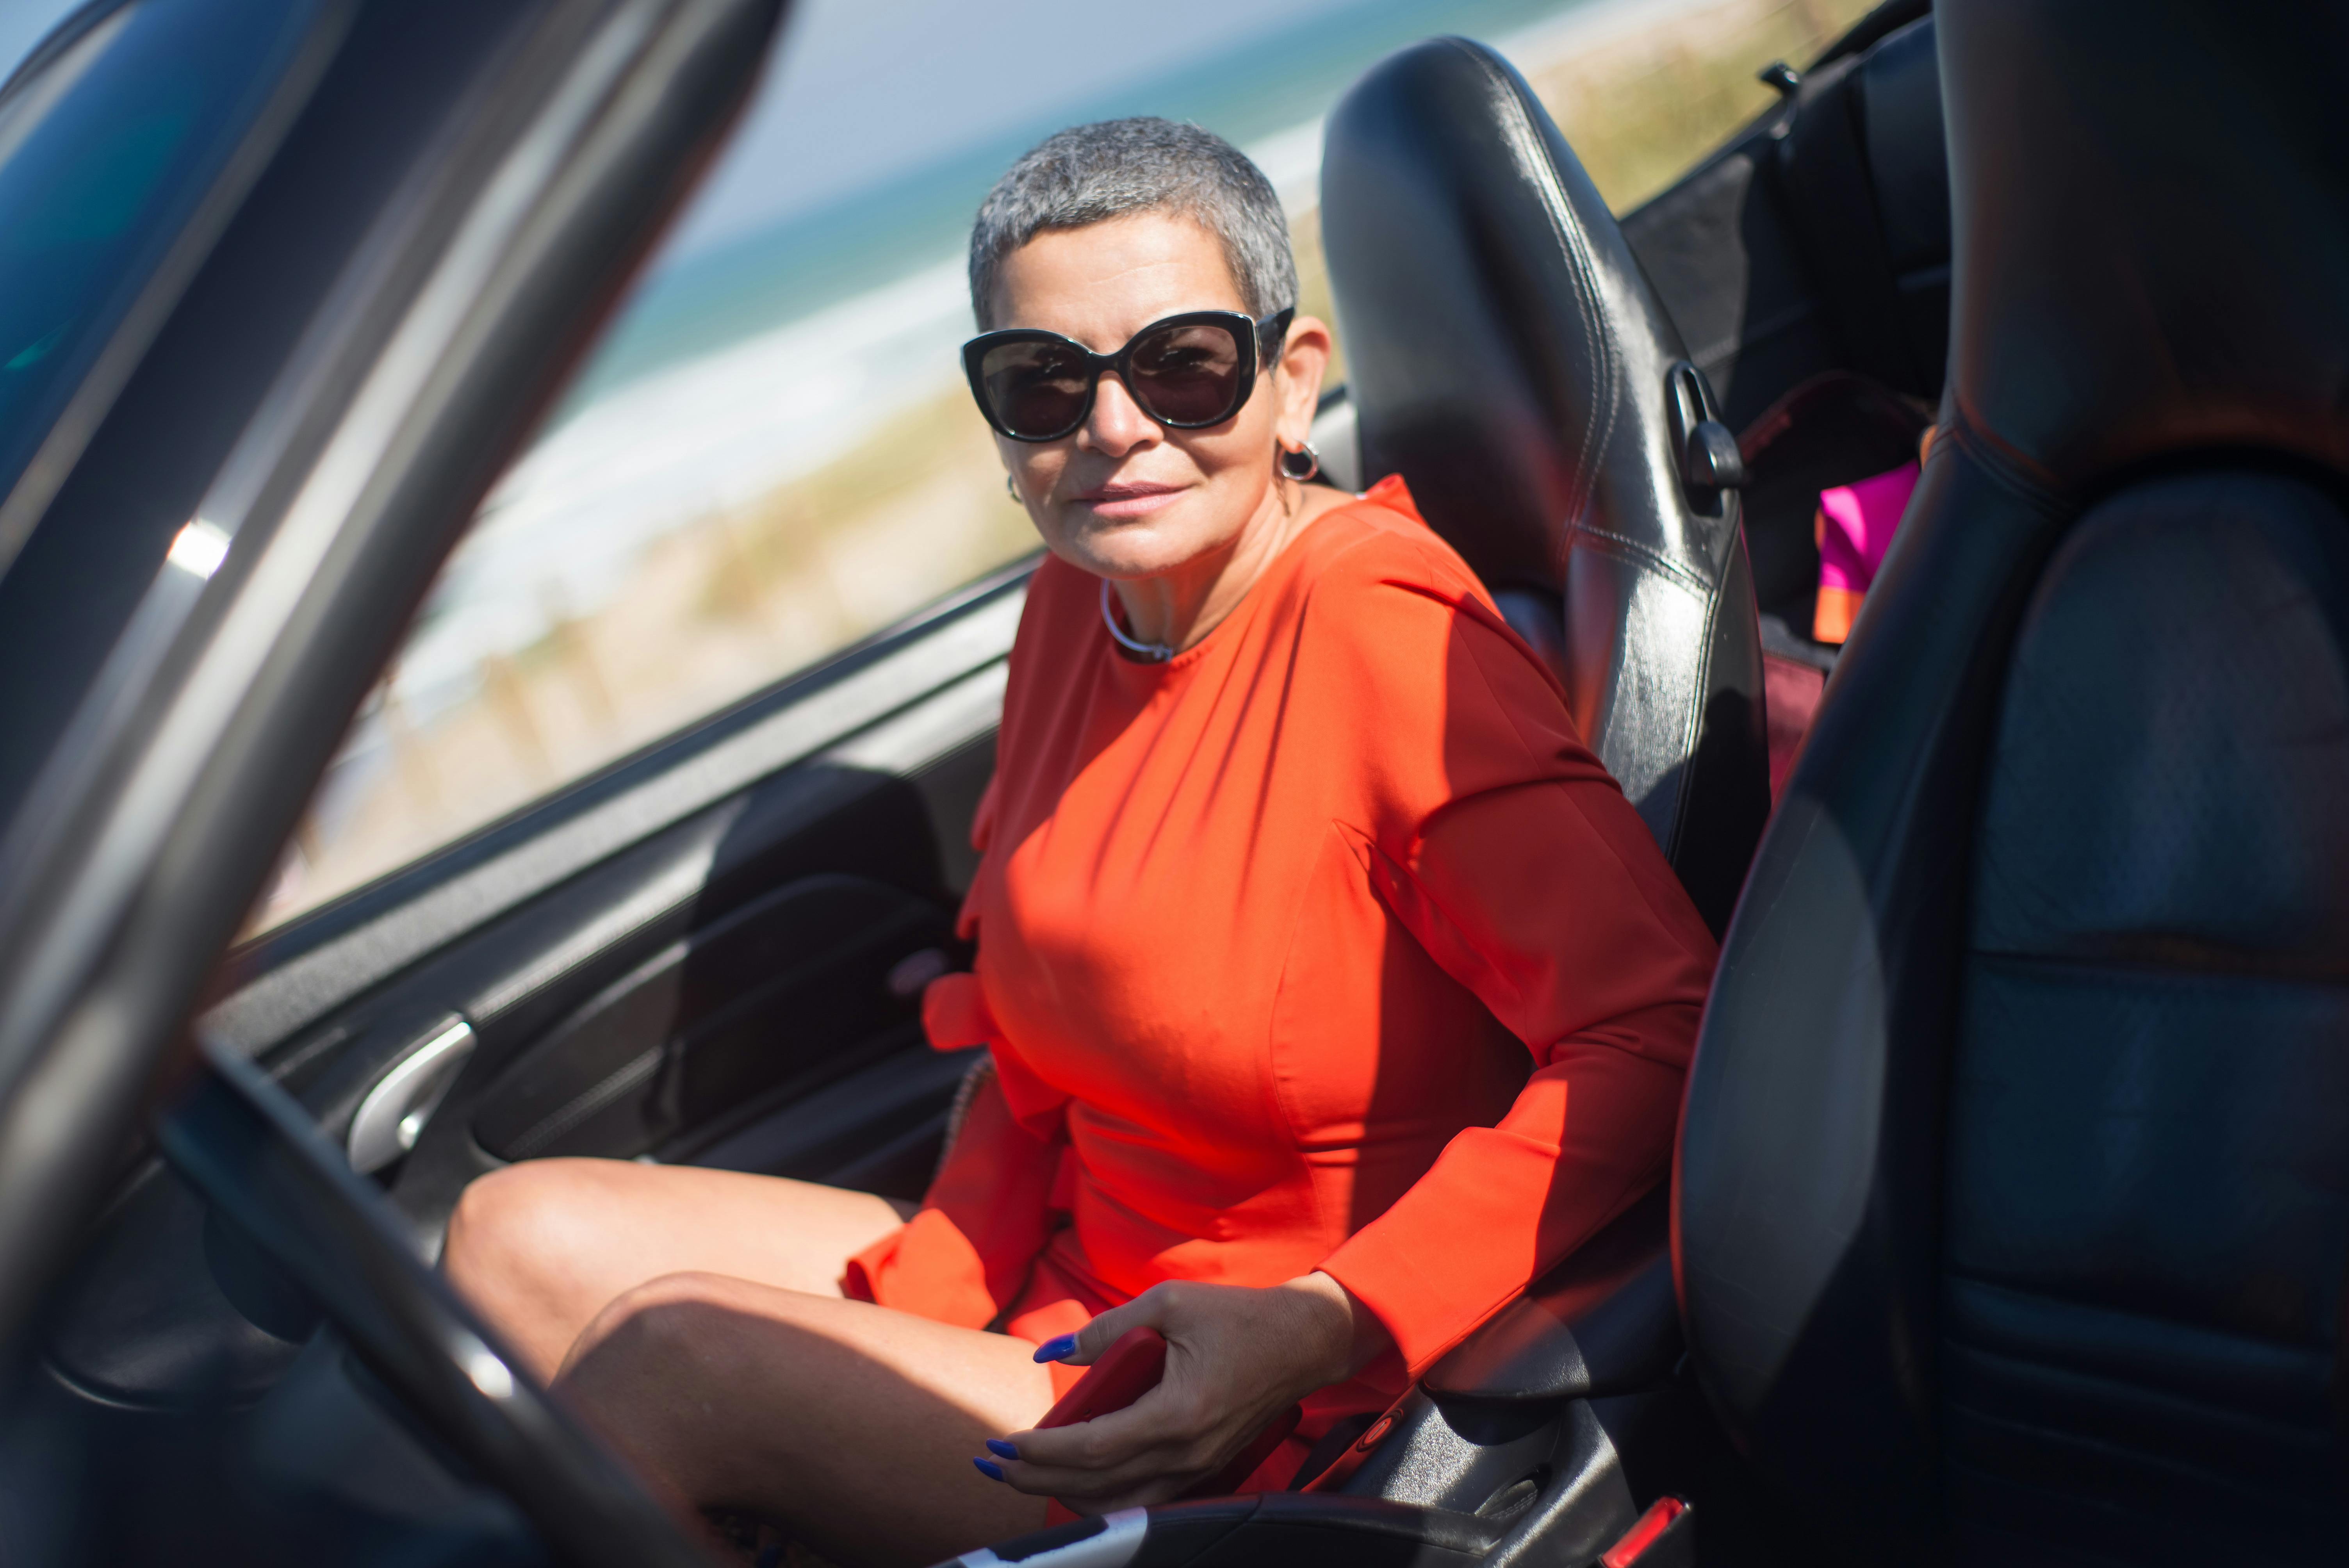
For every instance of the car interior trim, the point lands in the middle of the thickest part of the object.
(390, 1119)
(1111, 1541)
(1599, 1324)
(952, 716)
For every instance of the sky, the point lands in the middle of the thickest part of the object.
(866, 88)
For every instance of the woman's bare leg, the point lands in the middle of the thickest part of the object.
(541, 1247)
(853, 1424)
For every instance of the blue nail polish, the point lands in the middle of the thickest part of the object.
(990, 1469)
(1002, 1449)
(1059, 1349)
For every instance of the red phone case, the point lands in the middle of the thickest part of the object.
(1127, 1370)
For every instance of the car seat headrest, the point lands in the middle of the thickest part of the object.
(2151, 214)
(1505, 351)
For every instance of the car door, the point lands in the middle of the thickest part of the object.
(711, 953)
(288, 283)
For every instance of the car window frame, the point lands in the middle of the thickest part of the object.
(26, 498)
(454, 326)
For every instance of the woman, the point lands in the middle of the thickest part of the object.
(1333, 990)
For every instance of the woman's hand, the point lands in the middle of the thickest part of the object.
(1236, 1358)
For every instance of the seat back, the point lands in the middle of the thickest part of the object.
(1507, 357)
(2013, 1203)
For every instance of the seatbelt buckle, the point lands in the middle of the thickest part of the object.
(1663, 1537)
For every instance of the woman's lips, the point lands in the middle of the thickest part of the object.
(1128, 500)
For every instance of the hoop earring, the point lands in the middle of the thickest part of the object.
(1291, 469)
(1011, 488)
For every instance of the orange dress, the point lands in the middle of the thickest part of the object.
(1325, 944)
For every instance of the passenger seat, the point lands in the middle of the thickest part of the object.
(1510, 361)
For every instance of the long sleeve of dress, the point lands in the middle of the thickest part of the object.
(963, 1256)
(989, 1210)
(1515, 861)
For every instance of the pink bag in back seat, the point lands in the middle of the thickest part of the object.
(1855, 527)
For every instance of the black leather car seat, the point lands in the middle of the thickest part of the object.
(2012, 1210)
(1509, 360)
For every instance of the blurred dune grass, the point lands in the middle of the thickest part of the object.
(728, 604)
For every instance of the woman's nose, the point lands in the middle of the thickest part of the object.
(1117, 423)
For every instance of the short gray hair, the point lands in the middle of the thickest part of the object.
(1090, 173)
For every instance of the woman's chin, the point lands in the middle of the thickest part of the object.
(1128, 549)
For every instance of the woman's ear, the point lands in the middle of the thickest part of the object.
(1304, 357)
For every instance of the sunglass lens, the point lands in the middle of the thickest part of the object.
(1187, 375)
(1035, 389)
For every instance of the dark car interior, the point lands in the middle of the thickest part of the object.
(2011, 1219)
(2010, 1209)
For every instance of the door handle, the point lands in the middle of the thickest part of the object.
(392, 1116)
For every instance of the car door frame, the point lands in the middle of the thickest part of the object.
(133, 859)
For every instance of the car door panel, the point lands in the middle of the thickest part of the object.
(739, 944)
(145, 1323)
(718, 970)
(778, 996)
(878, 1130)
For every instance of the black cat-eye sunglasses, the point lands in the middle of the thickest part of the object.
(1188, 372)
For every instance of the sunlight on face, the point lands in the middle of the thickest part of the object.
(1124, 496)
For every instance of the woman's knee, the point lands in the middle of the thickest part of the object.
(506, 1223)
(665, 1332)
(656, 1302)
(638, 1373)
